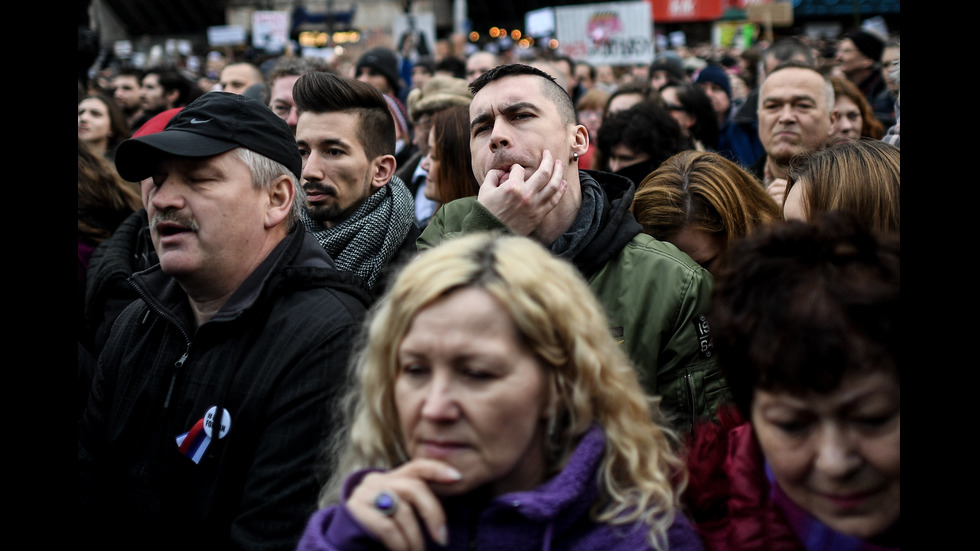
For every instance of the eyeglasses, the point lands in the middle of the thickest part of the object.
(674, 107)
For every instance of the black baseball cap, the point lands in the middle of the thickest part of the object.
(212, 124)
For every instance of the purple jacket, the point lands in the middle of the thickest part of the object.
(551, 517)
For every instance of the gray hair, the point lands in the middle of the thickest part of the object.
(264, 171)
(828, 86)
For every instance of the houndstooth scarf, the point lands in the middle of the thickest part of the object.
(370, 237)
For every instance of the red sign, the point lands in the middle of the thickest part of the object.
(681, 11)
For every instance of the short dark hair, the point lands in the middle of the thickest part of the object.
(171, 79)
(452, 65)
(296, 66)
(131, 71)
(641, 87)
(592, 69)
(553, 90)
(787, 48)
(323, 92)
(798, 305)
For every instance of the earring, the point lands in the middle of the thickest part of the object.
(574, 156)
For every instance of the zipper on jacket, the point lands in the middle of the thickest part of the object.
(177, 365)
(690, 399)
(150, 305)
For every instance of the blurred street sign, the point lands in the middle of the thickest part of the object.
(779, 14)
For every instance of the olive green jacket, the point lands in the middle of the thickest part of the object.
(655, 297)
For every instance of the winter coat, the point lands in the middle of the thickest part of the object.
(274, 358)
(654, 295)
(127, 251)
(552, 517)
(735, 503)
(738, 141)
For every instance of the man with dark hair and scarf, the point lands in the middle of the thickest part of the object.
(359, 211)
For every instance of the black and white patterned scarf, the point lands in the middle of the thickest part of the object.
(370, 237)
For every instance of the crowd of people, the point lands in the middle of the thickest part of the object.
(486, 302)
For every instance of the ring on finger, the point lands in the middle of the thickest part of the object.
(386, 503)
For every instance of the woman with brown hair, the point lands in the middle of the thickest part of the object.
(861, 176)
(701, 202)
(101, 124)
(449, 170)
(855, 118)
(104, 201)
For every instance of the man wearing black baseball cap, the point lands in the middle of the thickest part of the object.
(212, 385)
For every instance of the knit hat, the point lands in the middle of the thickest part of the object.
(869, 44)
(384, 61)
(212, 124)
(715, 74)
(427, 62)
(671, 65)
(437, 94)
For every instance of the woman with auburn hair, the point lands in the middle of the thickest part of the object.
(105, 200)
(806, 324)
(860, 176)
(855, 118)
(448, 165)
(701, 202)
(493, 408)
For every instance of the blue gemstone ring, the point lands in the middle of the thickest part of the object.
(386, 503)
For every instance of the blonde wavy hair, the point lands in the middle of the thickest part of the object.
(562, 323)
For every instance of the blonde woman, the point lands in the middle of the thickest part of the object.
(492, 408)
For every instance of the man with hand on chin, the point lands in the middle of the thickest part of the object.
(525, 144)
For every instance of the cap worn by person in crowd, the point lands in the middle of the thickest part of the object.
(382, 60)
(212, 124)
(693, 64)
(427, 62)
(156, 123)
(671, 65)
(867, 43)
(715, 74)
(437, 94)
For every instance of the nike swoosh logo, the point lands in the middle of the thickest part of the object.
(195, 121)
